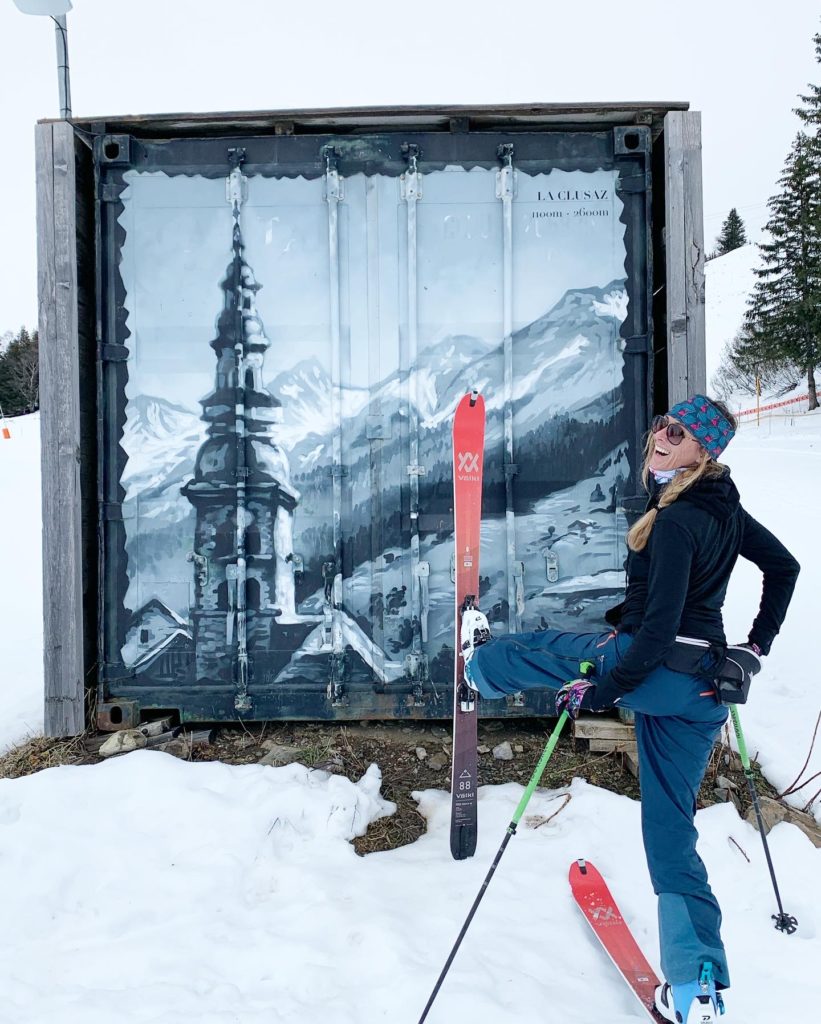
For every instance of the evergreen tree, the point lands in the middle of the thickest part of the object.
(810, 112)
(733, 234)
(19, 374)
(784, 316)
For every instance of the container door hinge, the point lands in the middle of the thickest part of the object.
(112, 511)
(114, 354)
(637, 345)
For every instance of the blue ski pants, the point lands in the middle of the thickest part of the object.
(678, 719)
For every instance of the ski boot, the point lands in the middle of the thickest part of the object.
(475, 632)
(698, 999)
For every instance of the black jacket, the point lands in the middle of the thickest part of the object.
(677, 584)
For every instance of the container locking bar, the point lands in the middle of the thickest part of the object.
(334, 194)
(505, 191)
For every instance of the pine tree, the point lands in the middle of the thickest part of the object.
(733, 235)
(810, 112)
(784, 317)
(19, 374)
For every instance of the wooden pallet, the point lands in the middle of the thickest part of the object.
(604, 735)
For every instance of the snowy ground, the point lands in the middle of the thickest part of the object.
(21, 602)
(149, 889)
(230, 895)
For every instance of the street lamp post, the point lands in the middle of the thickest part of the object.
(57, 11)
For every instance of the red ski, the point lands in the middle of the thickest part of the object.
(604, 917)
(468, 458)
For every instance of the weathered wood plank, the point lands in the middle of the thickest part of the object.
(684, 255)
(603, 729)
(60, 431)
(613, 746)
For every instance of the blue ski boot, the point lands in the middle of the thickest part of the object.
(695, 1002)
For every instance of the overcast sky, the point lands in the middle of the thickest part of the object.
(740, 62)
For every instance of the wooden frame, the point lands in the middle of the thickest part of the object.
(684, 256)
(60, 430)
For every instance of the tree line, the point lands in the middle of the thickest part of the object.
(779, 344)
(19, 372)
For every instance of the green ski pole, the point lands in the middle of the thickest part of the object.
(511, 831)
(783, 922)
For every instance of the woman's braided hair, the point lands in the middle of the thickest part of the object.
(706, 467)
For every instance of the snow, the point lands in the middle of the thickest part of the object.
(222, 894)
(21, 602)
(151, 889)
(777, 467)
(729, 282)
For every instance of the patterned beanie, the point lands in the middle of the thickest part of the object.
(706, 422)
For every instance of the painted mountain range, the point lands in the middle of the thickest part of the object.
(566, 398)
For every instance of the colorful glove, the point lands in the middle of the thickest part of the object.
(571, 695)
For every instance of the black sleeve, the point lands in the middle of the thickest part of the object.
(671, 556)
(780, 571)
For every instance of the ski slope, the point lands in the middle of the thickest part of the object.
(148, 889)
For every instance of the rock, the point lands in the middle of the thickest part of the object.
(773, 812)
(437, 763)
(724, 783)
(483, 749)
(519, 748)
(503, 752)
(330, 763)
(123, 742)
(279, 755)
(421, 753)
(177, 747)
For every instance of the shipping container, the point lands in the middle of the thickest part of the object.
(255, 329)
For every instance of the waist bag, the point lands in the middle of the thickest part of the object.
(729, 667)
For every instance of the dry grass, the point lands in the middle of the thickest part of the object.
(39, 753)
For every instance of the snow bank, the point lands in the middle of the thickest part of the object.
(21, 602)
(151, 889)
(729, 282)
(777, 468)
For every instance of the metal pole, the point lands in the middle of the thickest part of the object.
(63, 75)
(511, 831)
(411, 191)
(334, 194)
(783, 922)
(505, 189)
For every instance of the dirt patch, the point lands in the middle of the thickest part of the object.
(412, 756)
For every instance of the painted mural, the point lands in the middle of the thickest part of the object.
(296, 350)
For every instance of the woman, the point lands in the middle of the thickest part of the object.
(681, 554)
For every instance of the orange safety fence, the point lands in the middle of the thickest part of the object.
(771, 405)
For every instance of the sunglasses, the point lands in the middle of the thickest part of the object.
(675, 432)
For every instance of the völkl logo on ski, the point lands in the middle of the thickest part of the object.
(468, 463)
